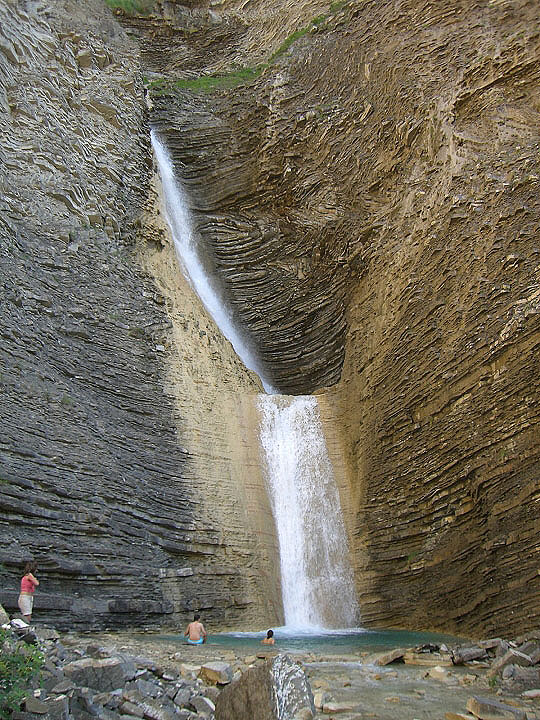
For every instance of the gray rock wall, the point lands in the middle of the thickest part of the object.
(98, 483)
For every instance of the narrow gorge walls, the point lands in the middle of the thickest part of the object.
(370, 196)
(364, 176)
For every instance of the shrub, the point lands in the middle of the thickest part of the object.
(19, 664)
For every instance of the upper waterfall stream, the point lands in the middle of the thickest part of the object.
(178, 217)
(317, 582)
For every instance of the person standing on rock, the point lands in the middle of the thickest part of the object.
(195, 632)
(28, 585)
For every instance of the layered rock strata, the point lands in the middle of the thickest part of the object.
(119, 477)
(370, 201)
(373, 195)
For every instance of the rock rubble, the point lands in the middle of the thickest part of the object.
(83, 678)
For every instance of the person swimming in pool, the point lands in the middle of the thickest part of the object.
(269, 639)
(195, 632)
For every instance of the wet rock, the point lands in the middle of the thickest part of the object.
(441, 674)
(387, 657)
(277, 689)
(424, 658)
(291, 687)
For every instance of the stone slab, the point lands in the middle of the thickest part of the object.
(488, 709)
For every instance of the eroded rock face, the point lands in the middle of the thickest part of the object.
(373, 196)
(370, 201)
(278, 690)
(100, 479)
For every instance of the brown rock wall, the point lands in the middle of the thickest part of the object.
(376, 190)
(370, 201)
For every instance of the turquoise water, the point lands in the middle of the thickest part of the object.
(335, 642)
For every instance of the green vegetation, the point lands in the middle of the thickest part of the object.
(207, 83)
(240, 76)
(131, 7)
(286, 44)
(19, 664)
(337, 6)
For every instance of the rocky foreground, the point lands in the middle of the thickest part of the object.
(116, 676)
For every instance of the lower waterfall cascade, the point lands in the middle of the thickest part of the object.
(317, 581)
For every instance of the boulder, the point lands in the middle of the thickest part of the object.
(4, 617)
(276, 690)
(216, 673)
(496, 645)
(203, 705)
(182, 697)
(58, 707)
(462, 655)
(427, 659)
(334, 708)
(510, 657)
(488, 709)
(35, 705)
(528, 675)
(291, 688)
(440, 673)
(100, 674)
(386, 658)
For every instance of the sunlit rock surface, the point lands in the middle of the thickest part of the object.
(373, 196)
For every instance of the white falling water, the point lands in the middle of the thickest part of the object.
(317, 582)
(178, 218)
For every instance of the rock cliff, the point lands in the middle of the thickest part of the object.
(364, 176)
(370, 197)
(129, 499)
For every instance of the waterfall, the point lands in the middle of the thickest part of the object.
(317, 582)
(178, 217)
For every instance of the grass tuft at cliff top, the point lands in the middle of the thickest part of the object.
(131, 7)
(207, 83)
(241, 76)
